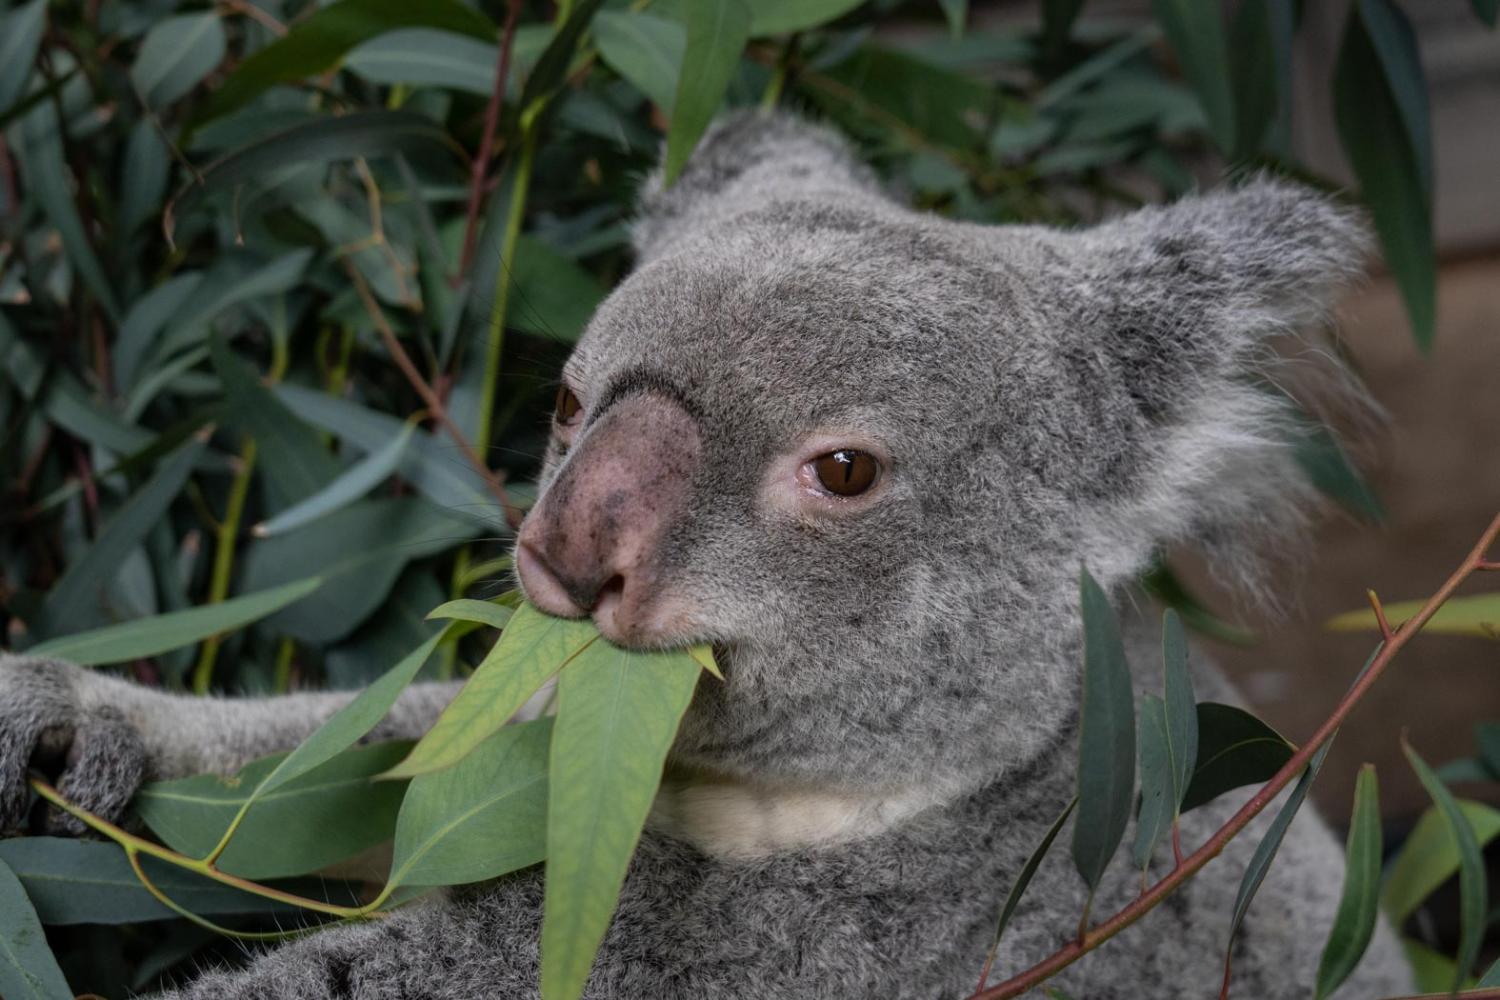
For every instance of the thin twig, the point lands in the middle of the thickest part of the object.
(430, 398)
(1380, 620)
(1076, 949)
(481, 162)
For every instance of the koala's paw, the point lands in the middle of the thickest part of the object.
(45, 725)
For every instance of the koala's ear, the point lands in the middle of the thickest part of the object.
(744, 161)
(1164, 339)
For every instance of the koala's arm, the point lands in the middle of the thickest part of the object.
(111, 734)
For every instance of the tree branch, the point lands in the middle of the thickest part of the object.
(480, 165)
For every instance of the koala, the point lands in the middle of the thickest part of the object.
(864, 451)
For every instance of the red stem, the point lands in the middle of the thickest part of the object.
(480, 165)
(1076, 949)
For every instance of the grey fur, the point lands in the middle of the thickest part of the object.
(1048, 398)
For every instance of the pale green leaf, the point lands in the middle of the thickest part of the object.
(469, 610)
(1429, 857)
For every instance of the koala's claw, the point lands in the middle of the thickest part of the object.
(43, 722)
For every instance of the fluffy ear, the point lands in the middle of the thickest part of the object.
(1167, 341)
(745, 161)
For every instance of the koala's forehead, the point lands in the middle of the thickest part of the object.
(798, 315)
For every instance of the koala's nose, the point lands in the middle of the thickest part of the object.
(592, 544)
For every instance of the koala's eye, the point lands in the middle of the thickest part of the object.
(846, 472)
(567, 408)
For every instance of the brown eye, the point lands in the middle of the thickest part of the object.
(567, 406)
(846, 473)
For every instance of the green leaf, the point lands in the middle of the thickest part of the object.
(1254, 76)
(1476, 615)
(1487, 735)
(428, 57)
(49, 182)
(177, 53)
(148, 315)
(1395, 43)
(1028, 870)
(1321, 457)
(1106, 750)
(1354, 925)
(1157, 806)
(359, 551)
(551, 295)
(1471, 875)
(617, 715)
(143, 180)
(74, 602)
(782, 17)
(1196, 31)
(1057, 24)
(532, 648)
(316, 43)
(234, 278)
(160, 634)
(644, 49)
(350, 485)
(552, 66)
(330, 814)
(427, 464)
(90, 882)
(326, 139)
(20, 37)
(1466, 769)
(469, 610)
(1265, 851)
(1492, 977)
(481, 818)
(1373, 128)
(1430, 857)
(1487, 11)
(27, 969)
(296, 464)
(345, 726)
(942, 106)
(716, 33)
(1234, 749)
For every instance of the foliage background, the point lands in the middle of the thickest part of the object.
(201, 402)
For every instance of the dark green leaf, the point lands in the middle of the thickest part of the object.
(20, 36)
(350, 485)
(1028, 870)
(957, 13)
(143, 180)
(1486, 11)
(1354, 925)
(1158, 807)
(89, 882)
(1430, 857)
(1254, 75)
(1265, 851)
(1378, 142)
(27, 969)
(1323, 460)
(1057, 24)
(552, 67)
(1234, 749)
(1487, 735)
(716, 33)
(940, 106)
(551, 296)
(329, 814)
(532, 648)
(782, 17)
(427, 57)
(1196, 31)
(645, 49)
(1473, 890)
(1466, 769)
(160, 634)
(359, 551)
(617, 715)
(323, 140)
(1106, 751)
(74, 601)
(317, 42)
(1395, 43)
(1181, 707)
(234, 279)
(177, 53)
(481, 818)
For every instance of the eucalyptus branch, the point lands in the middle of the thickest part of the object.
(134, 845)
(1193, 863)
(430, 398)
(481, 163)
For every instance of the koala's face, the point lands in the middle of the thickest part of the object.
(865, 451)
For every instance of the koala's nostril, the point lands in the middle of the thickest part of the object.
(542, 585)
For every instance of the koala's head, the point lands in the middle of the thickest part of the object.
(866, 450)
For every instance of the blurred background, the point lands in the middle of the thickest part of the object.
(285, 285)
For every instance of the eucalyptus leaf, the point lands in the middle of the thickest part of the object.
(1196, 31)
(1028, 871)
(1180, 707)
(481, 818)
(1106, 742)
(716, 33)
(327, 815)
(1475, 615)
(27, 969)
(1430, 856)
(532, 648)
(782, 17)
(645, 49)
(176, 55)
(145, 637)
(348, 486)
(1472, 882)
(617, 714)
(1158, 808)
(1234, 749)
(20, 37)
(1354, 925)
(469, 610)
